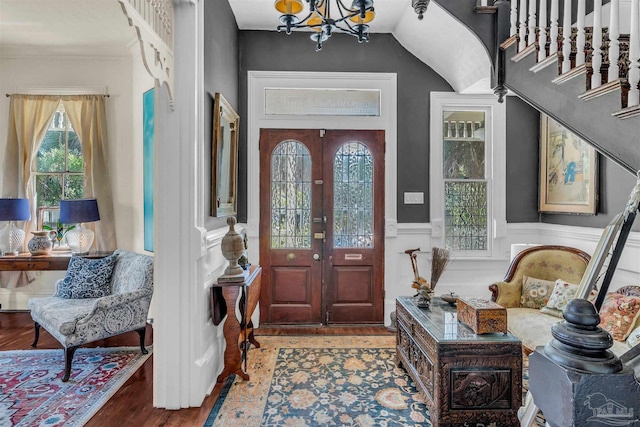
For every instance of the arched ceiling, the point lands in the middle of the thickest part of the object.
(439, 40)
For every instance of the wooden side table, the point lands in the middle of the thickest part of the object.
(238, 333)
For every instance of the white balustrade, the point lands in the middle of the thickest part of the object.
(522, 25)
(531, 38)
(596, 44)
(542, 34)
(513, 19)
(614, 43)
(553, 27)
(580, 38)
(634, 54)
(566, 36)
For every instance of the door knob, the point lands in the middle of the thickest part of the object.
(316, 257)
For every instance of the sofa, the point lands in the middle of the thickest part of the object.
(537, 286)
(97, 299)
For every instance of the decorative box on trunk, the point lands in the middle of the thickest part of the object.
(481, 315)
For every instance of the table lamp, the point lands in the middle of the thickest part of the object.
(79, 211)
(12, 237)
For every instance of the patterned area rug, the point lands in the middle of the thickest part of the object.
(321, 381)
(32, 393)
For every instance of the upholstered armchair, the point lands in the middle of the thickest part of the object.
(97, 299)
(543, 262)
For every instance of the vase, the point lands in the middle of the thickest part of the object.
(41, 243)
(232, 247)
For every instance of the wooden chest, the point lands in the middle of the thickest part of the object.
(481, 315)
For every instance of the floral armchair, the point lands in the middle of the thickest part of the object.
(545, 262)
(97, 299)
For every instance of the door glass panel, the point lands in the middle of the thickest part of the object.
(465, 212)
(353, 197)
(291, 196)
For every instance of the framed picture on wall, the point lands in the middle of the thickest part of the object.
(568, 171)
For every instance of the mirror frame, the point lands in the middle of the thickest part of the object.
(222, 110)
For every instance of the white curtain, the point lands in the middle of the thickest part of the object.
(29, 119)
(87, 116)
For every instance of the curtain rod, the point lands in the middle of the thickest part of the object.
(97, 94)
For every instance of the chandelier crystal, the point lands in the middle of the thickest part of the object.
(350, 20)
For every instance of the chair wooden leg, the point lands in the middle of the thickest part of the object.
(36, 327)
(68, 358)
(141, 332)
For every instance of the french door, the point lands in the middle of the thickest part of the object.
(321, 226)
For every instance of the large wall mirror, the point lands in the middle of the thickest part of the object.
(224, 158)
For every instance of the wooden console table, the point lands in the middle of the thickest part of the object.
(24, 261)
(466, 378)
(238, 333)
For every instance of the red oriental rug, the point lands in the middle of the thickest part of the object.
(32, 393)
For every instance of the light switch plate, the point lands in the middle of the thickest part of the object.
(414, 198)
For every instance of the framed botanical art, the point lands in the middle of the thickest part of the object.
(568, 171)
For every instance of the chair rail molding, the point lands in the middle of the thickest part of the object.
(154, 25)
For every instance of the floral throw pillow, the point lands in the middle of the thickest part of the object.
(634, 338)
(562, 293)
(535, 292)
(87, 278)
(618, 314)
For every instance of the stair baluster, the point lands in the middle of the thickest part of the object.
(566, 37)
(542, 34)
(553, 33)
(522, 25)
(614, 43)
(596, 44)
(531, 33)
(580, 39)
(634, 55)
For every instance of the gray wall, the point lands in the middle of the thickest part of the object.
(273, 51)
(220, 75)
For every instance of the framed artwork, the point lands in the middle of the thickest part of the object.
(568, 171)
(148, 166)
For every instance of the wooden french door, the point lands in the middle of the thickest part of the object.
(321, 226)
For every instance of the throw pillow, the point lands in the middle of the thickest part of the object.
(634, 338)
(562, 293)
(87, 278)
(535, 292)
(618, 314)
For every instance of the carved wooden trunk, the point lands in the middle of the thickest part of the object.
(481, 315)
(466, 378)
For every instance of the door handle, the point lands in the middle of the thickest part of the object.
(316, 257)
(318, 236)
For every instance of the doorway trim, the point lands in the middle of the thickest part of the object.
(258, 81)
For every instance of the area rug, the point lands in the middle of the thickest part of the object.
(300, 381)
(32, 393)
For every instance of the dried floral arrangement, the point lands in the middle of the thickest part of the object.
(440, 258)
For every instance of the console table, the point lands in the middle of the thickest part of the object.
(466, 378)
(24, 261)
(238, 333)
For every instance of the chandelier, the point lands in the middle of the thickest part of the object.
(351, 20)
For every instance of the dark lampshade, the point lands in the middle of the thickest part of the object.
(14, 210)
(79, 210)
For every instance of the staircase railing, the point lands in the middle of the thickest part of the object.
(603, 43)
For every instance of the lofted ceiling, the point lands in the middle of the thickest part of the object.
(100, 28)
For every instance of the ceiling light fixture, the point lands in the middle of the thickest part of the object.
(320, 21)
(420, 6)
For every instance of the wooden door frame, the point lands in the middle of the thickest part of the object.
(258, 81)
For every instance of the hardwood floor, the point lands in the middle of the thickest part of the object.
(133, 403)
